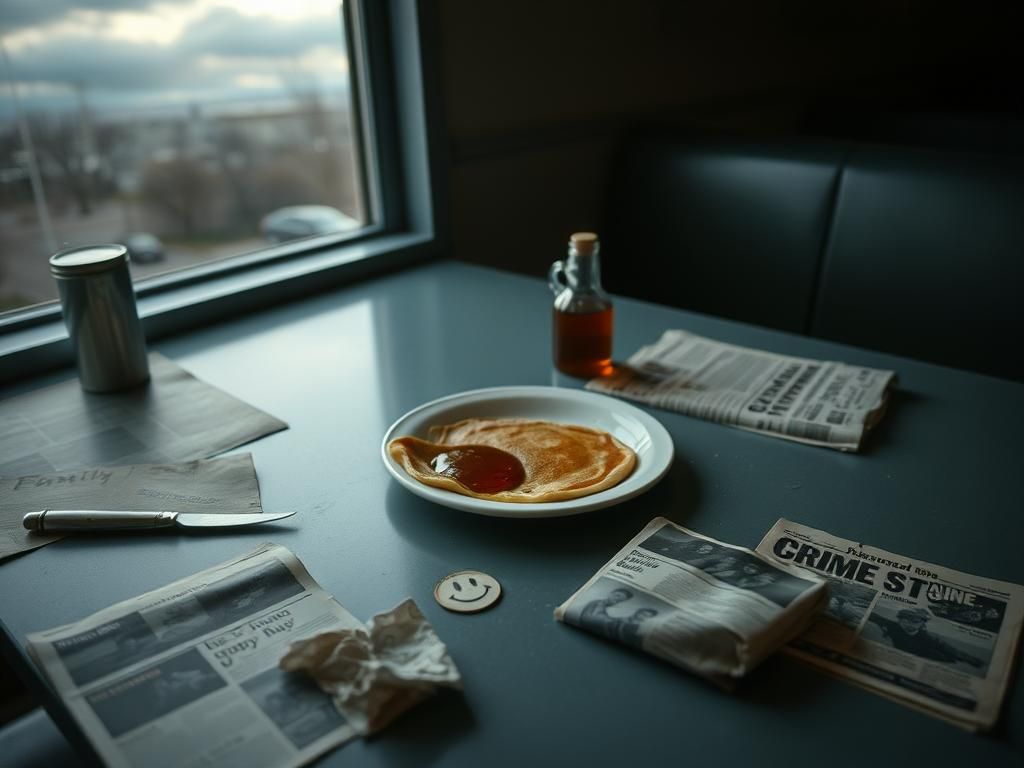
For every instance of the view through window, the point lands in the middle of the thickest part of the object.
(188, 130)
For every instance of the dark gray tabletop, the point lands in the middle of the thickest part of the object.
(941, 479)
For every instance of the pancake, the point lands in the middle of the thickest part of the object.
(558, 461)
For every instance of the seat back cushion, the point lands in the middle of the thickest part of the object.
(33, 741)
(722, 227)
(926, 258)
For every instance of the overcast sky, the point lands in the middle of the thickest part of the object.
(145, 54)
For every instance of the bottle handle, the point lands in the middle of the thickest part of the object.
(557, 281)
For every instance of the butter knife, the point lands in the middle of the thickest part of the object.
(87, 520)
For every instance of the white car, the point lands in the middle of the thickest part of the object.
(143, 248)
(297, 221)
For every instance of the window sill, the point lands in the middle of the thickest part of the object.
(44, 345)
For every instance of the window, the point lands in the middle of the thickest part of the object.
(244, 150)
(189, 131)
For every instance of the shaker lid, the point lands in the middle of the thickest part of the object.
(583, 242)
(88, 260)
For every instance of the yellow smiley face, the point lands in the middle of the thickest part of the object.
(467, 591)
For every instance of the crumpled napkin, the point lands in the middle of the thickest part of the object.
(377, 674)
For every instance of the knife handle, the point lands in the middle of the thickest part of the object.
(70, 520)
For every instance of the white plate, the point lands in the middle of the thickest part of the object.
(640, 431)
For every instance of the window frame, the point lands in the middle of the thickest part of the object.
(392, 49)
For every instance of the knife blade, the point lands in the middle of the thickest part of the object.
(88, 520)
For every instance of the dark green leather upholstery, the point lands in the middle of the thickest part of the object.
(725, 228)
(926, 259)
(916, 252)
(33, 741)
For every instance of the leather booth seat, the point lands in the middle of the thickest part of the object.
(33, 741)
(910, 251)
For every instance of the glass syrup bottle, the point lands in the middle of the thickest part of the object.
(582, 316)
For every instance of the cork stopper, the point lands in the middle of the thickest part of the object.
(583, 242)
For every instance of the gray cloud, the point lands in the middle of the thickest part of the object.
(124, 66)
(17, 14)
(226, 32)
(260, 45)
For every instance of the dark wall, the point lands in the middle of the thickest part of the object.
(537, 93)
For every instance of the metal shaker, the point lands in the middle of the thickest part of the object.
(98, 303)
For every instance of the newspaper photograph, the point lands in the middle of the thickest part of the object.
(188, 674)
(817, 402)
(931, 637)
(711, 608)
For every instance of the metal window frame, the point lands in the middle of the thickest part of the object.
(392, 47)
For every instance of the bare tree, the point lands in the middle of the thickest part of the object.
(182, 189)
(284, 183)
(235, 163)
(59, 141)
(325, 146)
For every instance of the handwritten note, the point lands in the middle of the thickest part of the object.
(207, 485)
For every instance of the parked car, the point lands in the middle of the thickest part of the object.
(297, 221)
(143, 247)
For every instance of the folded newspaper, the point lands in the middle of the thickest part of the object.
(931, 637)
(810, 401)
(700, 604)
(189, 675)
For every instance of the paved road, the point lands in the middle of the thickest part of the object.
(24, 267)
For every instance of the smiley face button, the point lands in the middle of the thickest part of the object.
(467, 591)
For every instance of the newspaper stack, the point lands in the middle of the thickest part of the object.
(931, 637)
(809, 401)
(189, 675)
(708, 607)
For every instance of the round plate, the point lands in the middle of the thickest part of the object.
(640, 431)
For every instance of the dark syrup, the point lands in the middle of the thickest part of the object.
(583, 343)
(480, 468)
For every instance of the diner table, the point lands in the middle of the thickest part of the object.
(939, 479)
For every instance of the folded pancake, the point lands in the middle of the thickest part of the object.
(556, 462)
